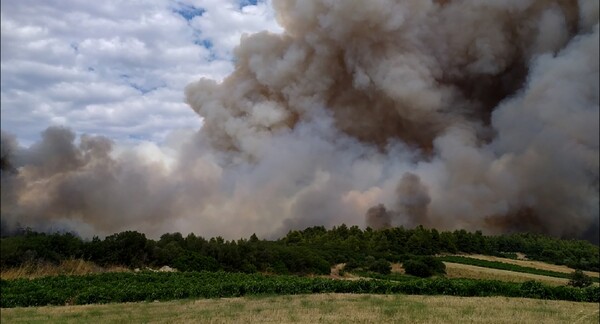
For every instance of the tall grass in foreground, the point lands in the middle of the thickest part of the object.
(323, 308)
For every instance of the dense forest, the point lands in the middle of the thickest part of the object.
(313, 250)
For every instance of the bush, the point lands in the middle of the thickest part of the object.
(417, 268)
(381, 266)
(196, 262)
(351, 265)
(424, 266)
(437, 266)
(580, 279)
(534, 289)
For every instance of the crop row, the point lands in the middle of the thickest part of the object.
(506, 266)
(133, 287)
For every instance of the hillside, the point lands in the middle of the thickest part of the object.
(313, 250)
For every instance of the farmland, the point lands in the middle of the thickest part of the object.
(323, 308)
(301, 277)
(532, 264)
(149, 286)
(506, 266)
(458, 270)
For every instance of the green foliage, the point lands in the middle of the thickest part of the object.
(352, 265)
(505, 266)
(416, 267)
(128, 248)
(436, 265)
(424, 267)
(580, 279)
(149, 286)
(312, 250)
(196, 262)
(394, 276)
(508, 255)
(381, 266)
(573, 253)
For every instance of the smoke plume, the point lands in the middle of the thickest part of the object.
(379, 217)
(453, 114)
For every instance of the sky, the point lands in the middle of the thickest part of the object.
(116, 68)
(450, 114)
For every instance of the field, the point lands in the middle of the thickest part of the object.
(457, 270)
(150, 286)
(285, 281)
(478, 270)
(322, 308)
(507, 266)
(531, 264)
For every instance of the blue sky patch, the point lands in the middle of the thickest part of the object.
(204, 43)
(244, 3)
(188, 12)
(208, 44)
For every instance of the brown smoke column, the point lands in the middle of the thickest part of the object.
(454, 114)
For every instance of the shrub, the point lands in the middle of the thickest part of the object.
(534, 289)
(196, 262)
(351, 265)
(417, 268)
(381, 266)
(424, 267)
(437, 266)
(580, 279)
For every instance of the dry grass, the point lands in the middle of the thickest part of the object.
(456, 270)
(326, 308)
(531, 264)
(397, 267)
(335, 273)
(67, 267)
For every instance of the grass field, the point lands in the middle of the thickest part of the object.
(531, 264)
(457, 270)
(322, 308)
(507, 266)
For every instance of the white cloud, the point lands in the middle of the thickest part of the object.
(115, 68)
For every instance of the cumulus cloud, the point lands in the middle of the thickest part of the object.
(451, 114)
(63, 61)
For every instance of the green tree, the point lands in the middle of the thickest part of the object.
(381, 266)
(196, 262)
(424, 267)
(580, 279)
(127, 248)
(417, 268)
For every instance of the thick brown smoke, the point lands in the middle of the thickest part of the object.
(379, 217)
(413, 200)
(454, 114)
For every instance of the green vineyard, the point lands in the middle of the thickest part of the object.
(150, 286)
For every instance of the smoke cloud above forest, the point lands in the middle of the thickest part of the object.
(450, 114)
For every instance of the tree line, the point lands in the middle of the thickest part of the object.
(312, 250)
